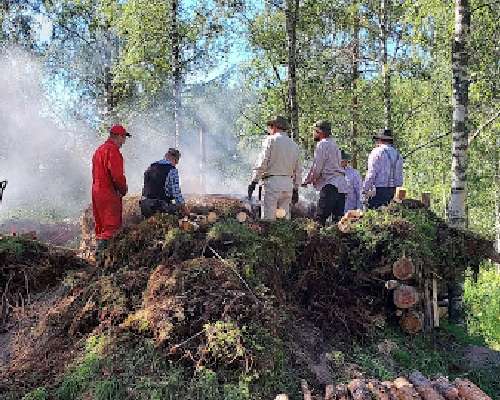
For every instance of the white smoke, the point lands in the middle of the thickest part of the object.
(47, 158)
(46, 164)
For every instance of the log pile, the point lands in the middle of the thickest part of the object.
(415, 387)
(204, 209)
(414, 290)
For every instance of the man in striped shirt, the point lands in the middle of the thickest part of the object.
(162, 192)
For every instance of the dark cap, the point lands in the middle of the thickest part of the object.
(323, 126)
(280, 122)
(119, 130)
(174, 153)
(345, 155)
(384, 134)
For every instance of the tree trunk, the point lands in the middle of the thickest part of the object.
(497, 200)
(359, 390)
(468, 391)
(292, 15)
(386, 73)
(354, 85)
(176, 69)
(424, 387)
(446, 389)
(457, 216)
(203, 160)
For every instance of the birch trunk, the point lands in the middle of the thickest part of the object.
(292, 15)
(176, 69)
(457, 209)
(457, 212)
(386, 73)
(354, 86)
(497, 199)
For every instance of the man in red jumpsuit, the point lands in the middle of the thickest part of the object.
(109, 185)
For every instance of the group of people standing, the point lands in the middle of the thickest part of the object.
(340, 186)
(278, 170)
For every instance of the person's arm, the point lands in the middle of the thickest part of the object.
(172, 183)
(297, 173)
(371, 174)
(116, 170)
(400, 171)
(262, 165)
(357, 190)
(317, 166)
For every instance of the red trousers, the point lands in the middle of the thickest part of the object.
(107, 208)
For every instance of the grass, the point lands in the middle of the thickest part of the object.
(441, 354)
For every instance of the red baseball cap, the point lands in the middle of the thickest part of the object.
(119, 130)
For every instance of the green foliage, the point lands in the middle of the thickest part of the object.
(82, 375)
(224, 341)
(11, 245)
(109, 389)
(482, 299)
(37, 394)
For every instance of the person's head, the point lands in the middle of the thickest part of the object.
(346, 159)
(322, 129)
(384, 136)
(118, 134)
(277, 124)
(173, 155)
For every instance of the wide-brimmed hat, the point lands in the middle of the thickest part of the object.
(323, 126)
(384, 134)
(345, 155)
(279, 121)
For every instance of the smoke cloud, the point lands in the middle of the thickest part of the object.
(47, 158)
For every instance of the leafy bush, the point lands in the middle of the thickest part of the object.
(483, 303)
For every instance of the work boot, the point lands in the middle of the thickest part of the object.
(102, 245)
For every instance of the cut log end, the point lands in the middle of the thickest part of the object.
(405, 296)
(241, 217)
(412, 322)
(403, 269)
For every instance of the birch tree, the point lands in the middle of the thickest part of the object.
(457, 210)
(292, 15)
(386, 73)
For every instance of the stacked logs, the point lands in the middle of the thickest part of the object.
(204, 209)
(414, 292)
(415, 387)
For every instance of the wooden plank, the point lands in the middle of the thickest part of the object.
(329, 392)
(435, 308)
(426, 199)
(305, 390)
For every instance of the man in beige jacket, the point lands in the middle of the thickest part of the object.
(279, 169)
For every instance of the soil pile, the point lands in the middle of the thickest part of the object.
(225, 299)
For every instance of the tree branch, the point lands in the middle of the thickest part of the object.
(483, 127)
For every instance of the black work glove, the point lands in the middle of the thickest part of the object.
(251, 189)
(295, 196)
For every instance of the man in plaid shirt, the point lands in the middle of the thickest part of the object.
(162, 192)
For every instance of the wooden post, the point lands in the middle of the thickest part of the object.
(435, 308)
(305, 390)
(426, 199)
(400, 194)
(329, 392)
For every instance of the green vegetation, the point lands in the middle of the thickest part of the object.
(391, 354)
(483, 301)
